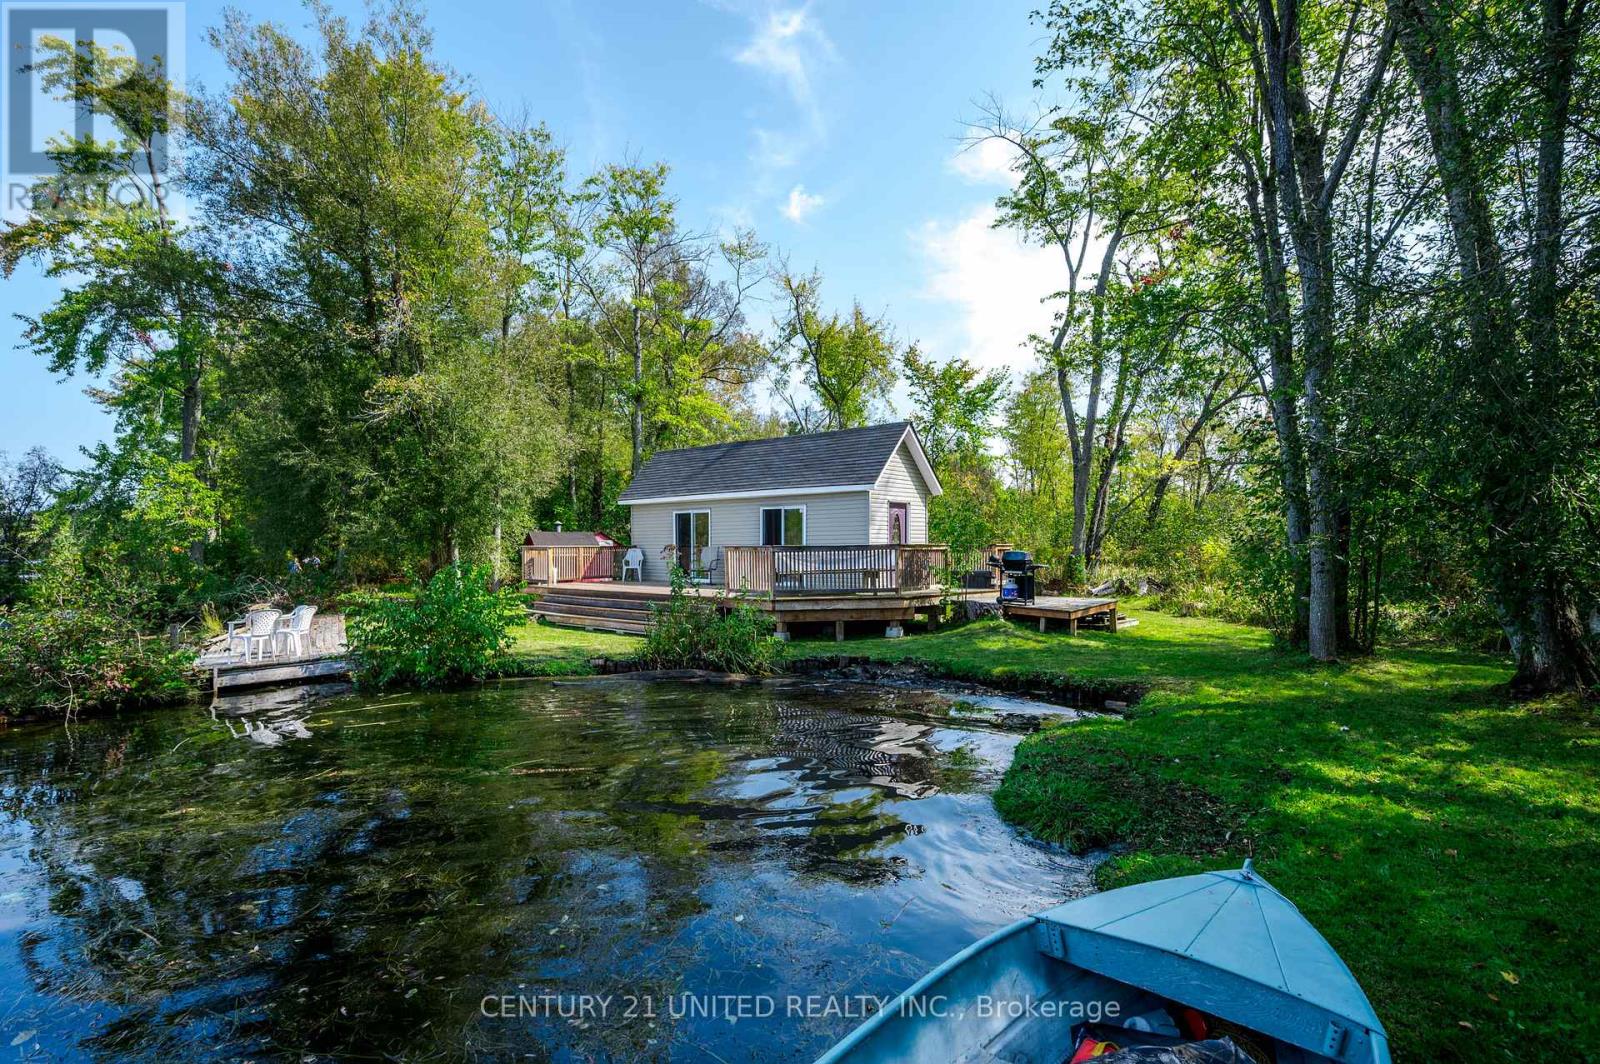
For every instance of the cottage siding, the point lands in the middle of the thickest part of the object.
(832, 519)
(901, 482)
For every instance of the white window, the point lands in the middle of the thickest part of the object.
(783, 526)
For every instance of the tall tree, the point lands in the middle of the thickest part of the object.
(1226, 96)
(1517, 169)
(142, 295)
(1085, 191)
(1285, 52)
(380, 247)
(638, 245)
(846, 363)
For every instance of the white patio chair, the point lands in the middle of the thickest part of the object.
(633, 561)
(295, 630)
(238, 632)
(261, 635)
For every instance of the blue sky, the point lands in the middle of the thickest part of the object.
(833, 128)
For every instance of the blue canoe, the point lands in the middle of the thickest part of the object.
(1224, 943)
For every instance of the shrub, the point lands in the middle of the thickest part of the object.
(454, 629)
(695, 632)
(74, 643)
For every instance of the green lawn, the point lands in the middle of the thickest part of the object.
(547, 650)
(1447, 843)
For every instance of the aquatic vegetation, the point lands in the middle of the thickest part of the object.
(176, 891)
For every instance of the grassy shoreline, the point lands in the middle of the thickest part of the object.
(1445, 841)
(546, 650)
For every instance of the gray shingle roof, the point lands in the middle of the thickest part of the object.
(846, 458)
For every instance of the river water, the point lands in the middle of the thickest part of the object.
(599, 870)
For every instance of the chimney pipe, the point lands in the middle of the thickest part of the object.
(558, 526)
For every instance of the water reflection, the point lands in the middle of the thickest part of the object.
(170, 890)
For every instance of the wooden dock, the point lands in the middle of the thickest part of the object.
(1047, 608)
(237, 675)
(327, 658)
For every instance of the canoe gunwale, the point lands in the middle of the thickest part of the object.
(843, 1048)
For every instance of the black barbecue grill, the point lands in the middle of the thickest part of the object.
(1017, 579)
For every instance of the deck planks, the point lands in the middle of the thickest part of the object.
(269, 672)
(1047, 608)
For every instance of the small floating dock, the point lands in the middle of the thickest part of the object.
(1097, 612)
(236, 675)
(326, 658)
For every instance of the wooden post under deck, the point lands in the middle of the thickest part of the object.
(1041, 625)
(1113, 622)
(838, 631)
(1072, 626)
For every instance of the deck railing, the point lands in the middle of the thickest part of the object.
(875, 569)
(560, 565)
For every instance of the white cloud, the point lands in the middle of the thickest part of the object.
(986, 162)
(995, 283)
(800, 204)
(787, 46)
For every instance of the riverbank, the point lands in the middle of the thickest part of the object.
(1443, 839)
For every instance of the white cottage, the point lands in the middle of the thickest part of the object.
(851, 488)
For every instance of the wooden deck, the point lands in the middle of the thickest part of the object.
(326, 658)
(608, 605)
(270, 673)
(777, 571)
(1047, 608)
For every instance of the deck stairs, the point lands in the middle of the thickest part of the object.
(596, 608)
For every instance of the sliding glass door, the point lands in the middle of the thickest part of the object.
(691, 533)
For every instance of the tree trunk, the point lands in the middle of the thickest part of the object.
(1083, 442)
(1376, 615)
(1305, 184)
(1510, 371)
(1341, 584)
(189, 443)
(636, 422)
(1262, 200)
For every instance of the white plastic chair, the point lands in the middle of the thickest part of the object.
(238, 632)
(295, 630)
(633, 562)
(261, 633)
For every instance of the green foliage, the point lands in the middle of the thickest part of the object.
(847, 363)
(453, 629)
(389, 405)
(26, 489)
(701, 632)
(952, 405)
(1442, 621)
(74, 642)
